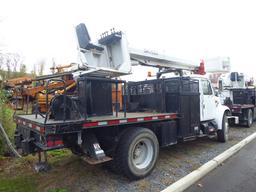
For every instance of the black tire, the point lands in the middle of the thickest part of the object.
(138, 144)
(249, 118)
(222, 135)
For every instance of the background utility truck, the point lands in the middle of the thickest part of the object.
(239, 96)
(155, 113)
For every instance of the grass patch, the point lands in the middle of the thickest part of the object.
(59, 153)
(17, 184)
(57, 156)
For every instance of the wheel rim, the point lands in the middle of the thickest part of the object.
(226, 127)
(250, 117)
(142, 153)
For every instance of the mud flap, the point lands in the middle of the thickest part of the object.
(92, 147)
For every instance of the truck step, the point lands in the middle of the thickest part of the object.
(190, 138)
(93, 161)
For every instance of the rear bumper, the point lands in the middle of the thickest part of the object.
(29, 140)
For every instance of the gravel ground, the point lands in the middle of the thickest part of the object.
(174, 162)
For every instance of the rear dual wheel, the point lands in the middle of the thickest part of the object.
(137, 153)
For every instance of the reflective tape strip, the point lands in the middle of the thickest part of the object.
(54, 143)
(123, 121)
(32, 126)
(129, 120)
(140, 119)
(148, 118)
(59, 142)
(161, 117)
(103, 123)
(113, 122)
(93, 124)
(132, 120)
(173, 116)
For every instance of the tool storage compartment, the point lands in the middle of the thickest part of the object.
(95, 96)
(173, 95)
(244, 96)
(182, 96)
(146, 96)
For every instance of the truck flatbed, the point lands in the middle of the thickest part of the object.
(138, 117)
(120, 115)
(97, 121)
(41, 120)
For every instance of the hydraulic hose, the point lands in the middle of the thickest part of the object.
(8, 142)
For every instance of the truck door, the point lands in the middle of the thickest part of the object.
(207, 103)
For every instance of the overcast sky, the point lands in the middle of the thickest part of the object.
(193, 30)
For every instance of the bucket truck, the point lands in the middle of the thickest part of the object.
(240, 96)
(155, 113)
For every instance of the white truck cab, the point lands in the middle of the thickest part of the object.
(207, 100)
(211, 110)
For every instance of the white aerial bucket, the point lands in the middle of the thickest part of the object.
(110, 55)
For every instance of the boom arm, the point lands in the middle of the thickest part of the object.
(111, 55)
(161, 61)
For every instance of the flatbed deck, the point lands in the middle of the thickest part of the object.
(121, 116)
(41, 120)
(98, 120)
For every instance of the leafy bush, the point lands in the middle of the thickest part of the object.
(6, 120)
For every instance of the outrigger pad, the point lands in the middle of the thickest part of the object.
(42, 167)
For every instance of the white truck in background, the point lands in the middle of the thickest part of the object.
(233, 89)
(240, 96)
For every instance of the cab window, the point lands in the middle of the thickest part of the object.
(207, 89)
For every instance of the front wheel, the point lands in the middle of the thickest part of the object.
(222, 134)
(137, 153)
(249, 118)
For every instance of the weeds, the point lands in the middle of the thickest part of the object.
(18, 184)
(6, 119)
